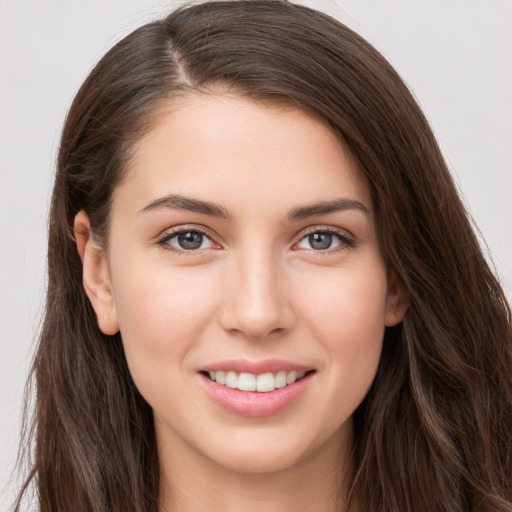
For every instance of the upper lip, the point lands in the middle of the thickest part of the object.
(256, 367)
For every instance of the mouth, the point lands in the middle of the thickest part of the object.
(259, 383)
(256, 389)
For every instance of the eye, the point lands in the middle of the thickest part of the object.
(187, 240)
(323, 240)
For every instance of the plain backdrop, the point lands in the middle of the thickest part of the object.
(454, 54)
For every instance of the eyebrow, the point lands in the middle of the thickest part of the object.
(325, 207)
(179, 202)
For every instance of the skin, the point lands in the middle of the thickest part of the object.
(256, 289)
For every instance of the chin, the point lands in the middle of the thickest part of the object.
(273, 451)
(258, 462)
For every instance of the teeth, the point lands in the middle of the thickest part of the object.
(281, 379)
(263, 383)
(291, 378)
(246, 382)
(232, 380)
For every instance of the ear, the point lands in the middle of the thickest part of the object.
(96, 276)
(397, 301)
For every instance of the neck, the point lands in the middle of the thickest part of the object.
(318, 481)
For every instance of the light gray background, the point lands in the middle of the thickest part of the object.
(454, 54)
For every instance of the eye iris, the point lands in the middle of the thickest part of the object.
(190, 240)
(320, 240)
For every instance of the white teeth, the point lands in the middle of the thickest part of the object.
(231, 380)
(291, 377)
(262, 383)
(265, 382)
(281, 379)
(246, 382)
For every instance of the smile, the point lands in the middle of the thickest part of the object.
(262, 383)
(255, 389)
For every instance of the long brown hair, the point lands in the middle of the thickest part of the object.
(435, 430)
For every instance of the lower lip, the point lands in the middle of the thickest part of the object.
(253, 404)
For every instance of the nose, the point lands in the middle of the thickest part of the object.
(258, 303)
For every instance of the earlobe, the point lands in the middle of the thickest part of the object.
(96, 276)
(397, 301)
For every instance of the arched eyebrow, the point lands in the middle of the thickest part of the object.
(179, 202)
(325, 207)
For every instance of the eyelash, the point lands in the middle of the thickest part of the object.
(166, 237)
(346, 242)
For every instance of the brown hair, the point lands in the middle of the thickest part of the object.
(435, 430)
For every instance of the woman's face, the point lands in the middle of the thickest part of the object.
(242, 242)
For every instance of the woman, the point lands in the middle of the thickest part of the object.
(264, 292)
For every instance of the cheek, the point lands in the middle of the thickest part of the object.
(352, 331)
(347, 317)
(350, 300)
(162, 314)
(152, 298)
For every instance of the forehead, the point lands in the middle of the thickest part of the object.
(234, 150)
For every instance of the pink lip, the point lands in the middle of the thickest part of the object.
(256, 367)
(253, 404)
